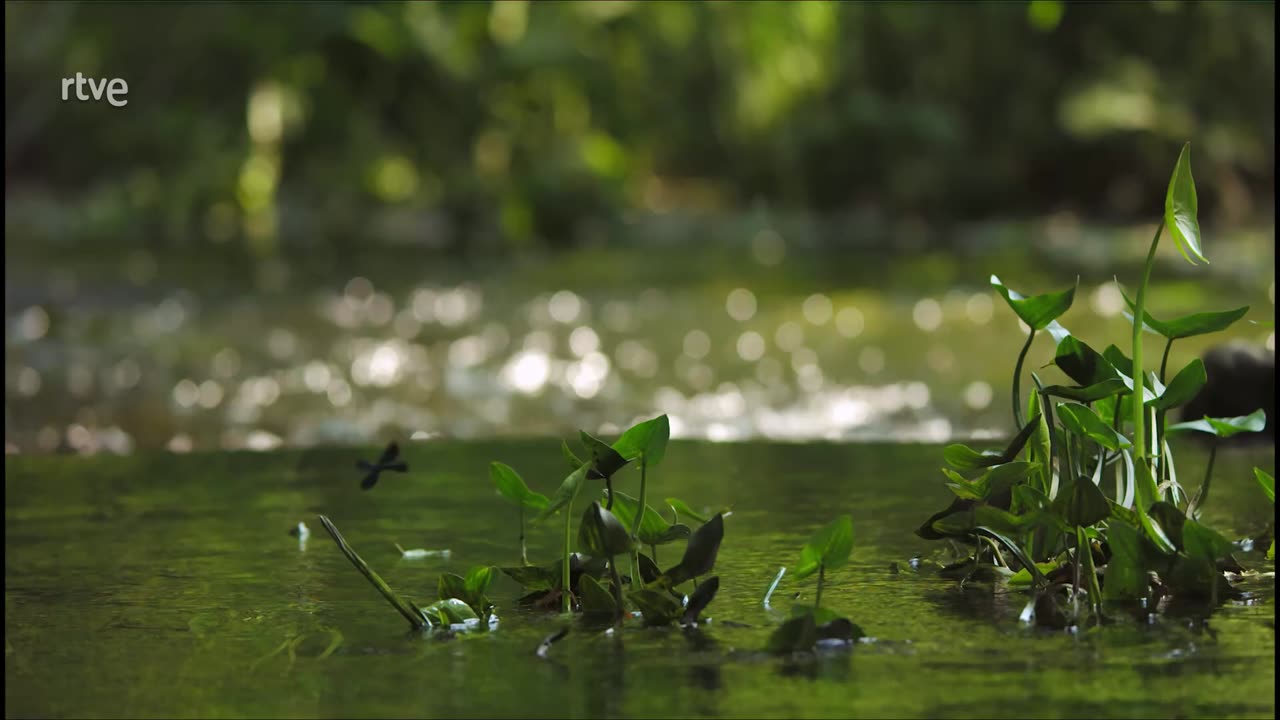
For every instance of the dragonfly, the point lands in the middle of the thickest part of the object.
(388, 461)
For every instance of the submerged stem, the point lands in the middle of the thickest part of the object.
(1017, 380)
(636, 580)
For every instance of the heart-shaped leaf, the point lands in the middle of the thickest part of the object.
(570, 458)
(682, 508)
(1187, 325)
(1086, 504)
(700, 598)
(657, 607)
(605, 461)
(648, 438)
(511, 486)
(601, 534)
(449, 611)
(1181, 207)
(654, 530)
(829, 547)
(1255, 421)
(1082, 421)
(1089, 393)
(700, 554)
(594, 599)
(1183, 388)
(1203, 543)
(1039, 310)
(1171, 521)
(452, 586)
(479, 579)
(1127, 570)
(533, 577)
(1082, 363)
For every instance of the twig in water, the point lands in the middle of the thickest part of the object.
(411, 612)
(548, 641)
(781, 571)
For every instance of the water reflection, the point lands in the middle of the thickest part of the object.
(359, 361)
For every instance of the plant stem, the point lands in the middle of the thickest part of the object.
(1193, 508)
(636, 580)
(564, 587)
(524, 555)
(617, 587)
(1139, 313)
(1017, 380)
(411, 612)
(817, 599)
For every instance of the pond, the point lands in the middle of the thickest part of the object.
(167, 585)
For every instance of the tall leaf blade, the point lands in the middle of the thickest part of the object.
(1181, 208)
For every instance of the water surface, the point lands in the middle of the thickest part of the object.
(162, 585)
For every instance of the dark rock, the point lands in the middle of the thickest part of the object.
(1241, 379)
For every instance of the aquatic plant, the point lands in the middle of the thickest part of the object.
(827, 549)
(1037, 512)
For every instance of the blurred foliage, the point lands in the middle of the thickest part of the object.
(478, 125)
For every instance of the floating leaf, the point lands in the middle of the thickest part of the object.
(1181, 207)
(1183, 388)
(449, 611)
(1255, 421)
(648, 438)
(511, 486)
(700, 554)
(829, 547)
(1082, 421)
(567, 491)
(1267, 483)
(1039, 310)
(601, 534)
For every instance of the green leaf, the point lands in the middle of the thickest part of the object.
(1090, 393)
(1016, 549)
(567, 491)
(449, 611)
(1200, 542)
(1082, 363)
(1039, 310)
(1255, 421)
(648, 438)
(963, 457)
(1183, 388)
(1170, 520)
(533, 577)
(682, 508)
(573, 460)
(700, 598)
(1187, 325)
(605, 461)
(797, 634)
(1127, 570)
(654, 530)
(700, 554)
(1267, 483)
(1180, 208)
(1023, 578)
(1271, 551)
(657, 606)
(479, 579)
(601, 534)
(594, 599)
(1086, 505)
(511, 486)
(1082, 421)
(829, 547)
(452, 586)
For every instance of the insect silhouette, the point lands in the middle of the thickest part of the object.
(389, 461)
